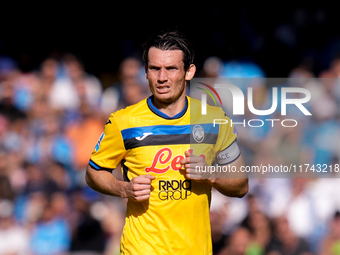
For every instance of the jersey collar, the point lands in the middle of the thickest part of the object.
(163, 115)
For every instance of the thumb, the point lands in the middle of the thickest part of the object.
(151, 177)
(187, 153)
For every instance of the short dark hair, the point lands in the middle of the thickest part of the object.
(170, 40)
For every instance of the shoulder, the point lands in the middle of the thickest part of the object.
(195, 107)
(125, 116)
(132, 109)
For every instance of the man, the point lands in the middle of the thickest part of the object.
(168, 200)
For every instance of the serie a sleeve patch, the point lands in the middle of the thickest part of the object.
(99, 141)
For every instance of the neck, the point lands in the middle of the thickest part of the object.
(170, 109)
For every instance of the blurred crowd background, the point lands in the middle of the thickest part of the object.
(59, 85)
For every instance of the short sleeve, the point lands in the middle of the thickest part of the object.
(110, 149)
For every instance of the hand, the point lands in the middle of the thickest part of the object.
(139, 188)
(190, 162)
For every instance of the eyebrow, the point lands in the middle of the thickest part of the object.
(153, 66)
(166, 67)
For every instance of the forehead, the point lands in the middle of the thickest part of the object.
(164, 57)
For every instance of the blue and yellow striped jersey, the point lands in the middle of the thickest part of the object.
(175, 219)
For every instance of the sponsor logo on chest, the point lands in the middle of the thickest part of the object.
(164, 161)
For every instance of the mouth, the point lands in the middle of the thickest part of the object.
(163, 89)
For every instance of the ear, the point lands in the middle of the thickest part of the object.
(146, 71)
(190, 73)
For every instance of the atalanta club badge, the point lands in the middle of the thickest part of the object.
(198, 133)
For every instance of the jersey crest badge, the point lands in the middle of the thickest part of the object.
(198, 133)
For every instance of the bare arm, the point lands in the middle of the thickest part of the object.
(228, 183)
(234, 186)
(104, 182)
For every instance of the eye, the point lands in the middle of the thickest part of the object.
(171, 68)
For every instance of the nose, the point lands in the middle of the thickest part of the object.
(162, 75)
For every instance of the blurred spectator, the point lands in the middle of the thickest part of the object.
(60, 203)
(7, 107)
(334, 66)
(83, 133)
(212, 67)
(324, 204)
(232, 210)
(6, 191)
(285, 144)
(50, 235)
(322, 140)
(57, 174)
(242, 73)
(51, 144)
(8, 68)
(218, 217)
(331, 243)
(88, 235)
(14, 239)
(285, 242)
(130, 88)
(275, 193)
(299, 211)
(111, 214)
(238, 243)
(87, 85)
(67, 90)
(47, 75)
(258, 225)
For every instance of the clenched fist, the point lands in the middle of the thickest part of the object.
(139, 188)
(190, 162)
